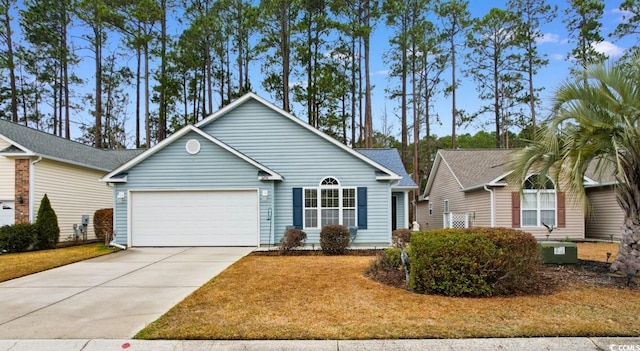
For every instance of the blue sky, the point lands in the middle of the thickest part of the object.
(554, 44)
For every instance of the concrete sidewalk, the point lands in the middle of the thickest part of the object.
(520, 344)
(110, 297)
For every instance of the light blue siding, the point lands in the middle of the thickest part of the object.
(303, 158)
(399, 209)
(173, 168)
(300, 156)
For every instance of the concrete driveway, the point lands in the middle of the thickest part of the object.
(112, 296)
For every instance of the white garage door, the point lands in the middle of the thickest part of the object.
(194, 218)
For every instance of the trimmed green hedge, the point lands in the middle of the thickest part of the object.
(47, 229)
(18, 237)
(474, 262)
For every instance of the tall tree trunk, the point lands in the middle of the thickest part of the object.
(11, 64)
(98, 117)
(367, 73)
(532, 100)
(209, 75)
(147, 117)
(138, 74)
(454, 110)
(353, 92)
(65, 68)
(286, 53)
(162, 112)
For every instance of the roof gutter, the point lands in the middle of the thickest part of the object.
(492, 207)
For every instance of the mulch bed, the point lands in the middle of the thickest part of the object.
(587, 273)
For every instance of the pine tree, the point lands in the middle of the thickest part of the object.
(47, 229)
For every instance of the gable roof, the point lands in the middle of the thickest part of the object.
(475, 168)
(389, 174)
(391, 159)
(116, 176)
(31, 142)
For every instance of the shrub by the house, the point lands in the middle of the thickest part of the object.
(291, 239)
(474, 262)
(103, 224)
(400, 237)
(47, 229)
(334, 239)
(17, 237)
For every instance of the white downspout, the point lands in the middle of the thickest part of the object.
(406, 210)
(493, 216)
(32, 190)
(114, 244)
(113, 241)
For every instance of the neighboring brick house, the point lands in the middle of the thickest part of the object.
(34, 163)
(472, 188)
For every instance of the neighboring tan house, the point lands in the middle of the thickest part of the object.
(34, 163)
(243, 175)
(472, 188)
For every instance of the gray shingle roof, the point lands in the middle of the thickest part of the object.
(478, 166)
(63, 150)
(390, 159)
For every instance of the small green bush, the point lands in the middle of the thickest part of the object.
(334, 239)
(18, 237)
(103, 224)
(474, 262)
(47, 229)
(400, 237)
(387, 261)
(292, 238)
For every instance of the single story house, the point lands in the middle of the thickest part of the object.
(243, 175)
(34, 163)
(472, 188)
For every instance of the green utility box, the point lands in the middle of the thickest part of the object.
(558, 252)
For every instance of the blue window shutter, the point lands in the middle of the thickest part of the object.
(362, 208)
(297, 208)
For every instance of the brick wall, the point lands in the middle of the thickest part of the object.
(22, 190)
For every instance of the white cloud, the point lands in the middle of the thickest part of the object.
(557, 57)
(608, 48)
(548, 38)
(624, 14)
(381, 73)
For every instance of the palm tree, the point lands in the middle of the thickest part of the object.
(596, 123)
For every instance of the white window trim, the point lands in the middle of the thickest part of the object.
(445, 206)
(538, 208)
(319, 207)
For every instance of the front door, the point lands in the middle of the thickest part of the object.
(394, 212)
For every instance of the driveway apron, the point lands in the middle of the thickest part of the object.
(112, 296)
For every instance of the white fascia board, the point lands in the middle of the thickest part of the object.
(18, 154)
(404, 187)
(244, 98)
(148, 153)
(499, 178)
(27, 151)
(189, 128)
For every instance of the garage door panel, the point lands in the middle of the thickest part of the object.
(203, 218)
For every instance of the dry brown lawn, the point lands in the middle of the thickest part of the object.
(327, 297)
(20, 264)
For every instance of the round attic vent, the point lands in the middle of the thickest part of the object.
(192, 146)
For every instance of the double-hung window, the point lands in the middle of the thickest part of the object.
(329, 203)
(538, 204)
